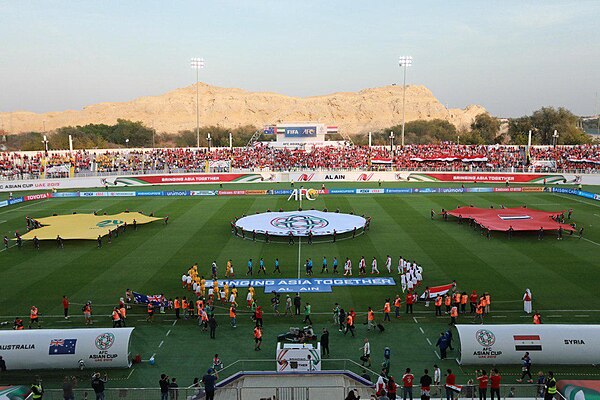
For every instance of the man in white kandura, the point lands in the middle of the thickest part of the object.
(527, 299)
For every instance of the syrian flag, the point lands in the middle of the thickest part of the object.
(434, 291)
(527, 342)
(332, 129)
(454, 388)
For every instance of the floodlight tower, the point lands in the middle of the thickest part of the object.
(404, 62)
(197, 64)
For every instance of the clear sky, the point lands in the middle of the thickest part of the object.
(510, 56)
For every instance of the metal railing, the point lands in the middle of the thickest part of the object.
(330, 392)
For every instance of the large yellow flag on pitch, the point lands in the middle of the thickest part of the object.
(84, 226)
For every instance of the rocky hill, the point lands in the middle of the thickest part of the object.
(353, 112)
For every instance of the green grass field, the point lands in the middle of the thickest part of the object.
(562, 275)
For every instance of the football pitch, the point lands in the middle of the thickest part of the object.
(562, 275)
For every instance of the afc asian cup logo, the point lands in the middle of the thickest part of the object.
(105, 341)
(297, 222)
(109, 222)
(485, 338)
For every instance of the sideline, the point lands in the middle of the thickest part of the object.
(492, 315)
(19, 207)
(576, 198)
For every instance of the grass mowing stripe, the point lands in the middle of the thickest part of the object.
(153, 258)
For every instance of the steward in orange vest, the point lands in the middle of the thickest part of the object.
(438, 305)
(453, 315)
(177, 306)
(447, 303)
(34, 317)
(349, 324)
(116, 317)
(150, 317)
(386, 310)
(397, 305)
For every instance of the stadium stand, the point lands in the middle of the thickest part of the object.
(433, 157)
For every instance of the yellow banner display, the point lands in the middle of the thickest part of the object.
(84, 226)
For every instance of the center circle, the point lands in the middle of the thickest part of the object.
(297, 222)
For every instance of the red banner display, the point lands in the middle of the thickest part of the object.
(232, 192)
(189, 178)
(519, 219)
(474, 177)
(507, 189)
(39, 196)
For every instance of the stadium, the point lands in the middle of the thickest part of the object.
(299, 262)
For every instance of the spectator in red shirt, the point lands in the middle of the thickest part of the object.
(392, 388)
(450, 382)
(409, 302)
(482, 378)
(495, 379)
(407, 383)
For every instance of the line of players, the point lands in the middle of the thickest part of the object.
(411, 273)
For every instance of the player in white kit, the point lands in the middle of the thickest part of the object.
(348, 267)
(374, 269)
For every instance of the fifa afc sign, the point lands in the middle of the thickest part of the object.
(308, 194)
(300, 131)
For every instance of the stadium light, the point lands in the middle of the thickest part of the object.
(404, 62)
(197, 64)
(208, 139)
(555, 137)
(392, 141)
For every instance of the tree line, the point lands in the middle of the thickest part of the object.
(127, 133)
(485, 129)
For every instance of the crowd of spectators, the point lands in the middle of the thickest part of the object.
(432, 157)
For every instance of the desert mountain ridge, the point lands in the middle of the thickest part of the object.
(353, 112)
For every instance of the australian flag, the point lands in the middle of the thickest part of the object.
(145, 299)
(62, 346)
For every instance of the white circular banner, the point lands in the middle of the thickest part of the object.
(301, 222)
